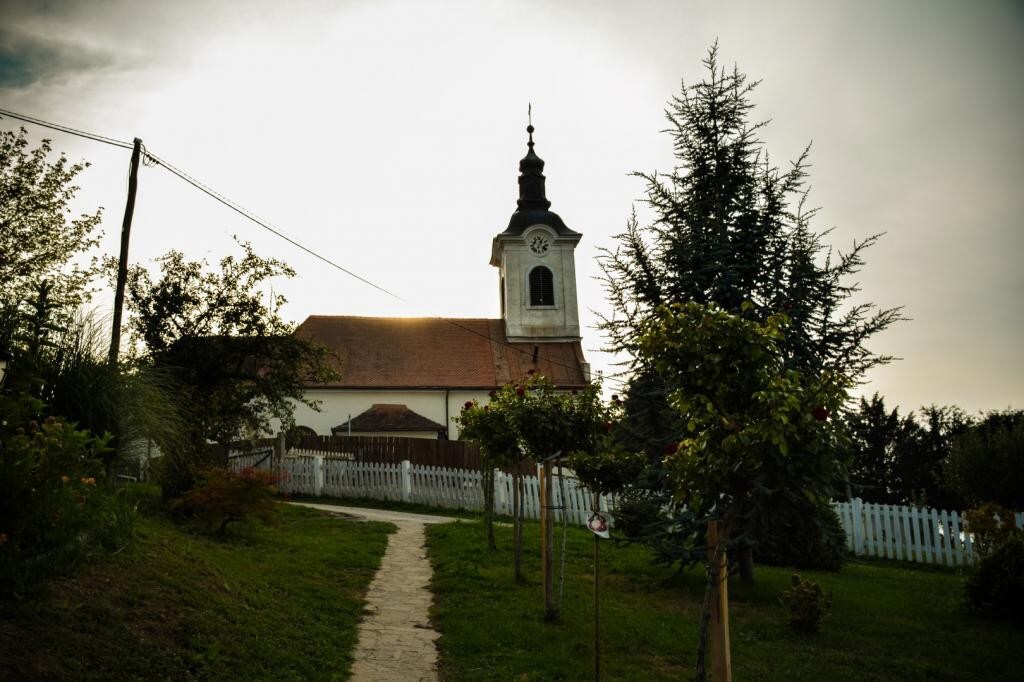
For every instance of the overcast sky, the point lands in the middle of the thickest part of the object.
(386, 135)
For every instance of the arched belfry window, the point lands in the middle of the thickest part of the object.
(542, 286)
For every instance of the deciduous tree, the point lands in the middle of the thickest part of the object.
(224, 339)
(39, 240)
(758, 435)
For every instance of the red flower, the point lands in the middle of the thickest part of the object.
(531, 372)
(468, 405)
(520, 391)
(820, 413)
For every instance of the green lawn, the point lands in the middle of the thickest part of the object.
(888, 622)
(272, 603)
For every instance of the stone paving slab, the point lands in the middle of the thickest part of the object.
(396, 641)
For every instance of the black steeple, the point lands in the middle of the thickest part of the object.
(532, 206)
(531, 179)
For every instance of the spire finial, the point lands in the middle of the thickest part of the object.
(529, 122)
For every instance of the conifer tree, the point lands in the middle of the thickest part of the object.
(731, 229)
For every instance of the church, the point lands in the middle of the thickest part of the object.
(411, 376)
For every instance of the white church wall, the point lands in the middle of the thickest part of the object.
(338, 404)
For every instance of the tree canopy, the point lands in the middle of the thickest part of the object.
(898, 459)
(730, 228)
(39, 240)
(986, 461)
(224, 339)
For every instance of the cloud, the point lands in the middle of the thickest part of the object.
(26, 60)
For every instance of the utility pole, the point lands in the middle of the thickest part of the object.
(122, 262)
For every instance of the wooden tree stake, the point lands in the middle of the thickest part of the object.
(721, 659)
(547, 546)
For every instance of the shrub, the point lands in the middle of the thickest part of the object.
(222, 497)
(991, 525)
(805, 535)
(807, 604)
(997, 584)
(54, 509)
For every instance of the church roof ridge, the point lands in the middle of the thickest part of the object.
(402, 317)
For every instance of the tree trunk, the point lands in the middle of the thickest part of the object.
(745, 559)
(488, 483)
(517, 525)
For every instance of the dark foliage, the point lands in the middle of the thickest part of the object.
(222, 497)
(986, 461)
(899, 459)
(997, 584)
(55, 511)
(808, 536)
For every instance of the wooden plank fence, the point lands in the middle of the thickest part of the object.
(453, 454)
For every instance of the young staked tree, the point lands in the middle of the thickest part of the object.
(733, 230)
(490, 426)
(533, 421)
(757, 434)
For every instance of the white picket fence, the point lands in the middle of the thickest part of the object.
(916, 534)
(919, 534)
(306, 473)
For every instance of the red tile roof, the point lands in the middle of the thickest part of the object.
(384, 417)
(435, 352)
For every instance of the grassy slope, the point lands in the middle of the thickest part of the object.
(888, 622)
(272, 603)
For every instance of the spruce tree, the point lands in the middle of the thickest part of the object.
(730, 228)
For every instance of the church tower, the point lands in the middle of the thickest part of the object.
(535, 257)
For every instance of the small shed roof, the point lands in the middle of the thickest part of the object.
(389, 417)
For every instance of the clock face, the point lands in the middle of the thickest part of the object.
(540, 245)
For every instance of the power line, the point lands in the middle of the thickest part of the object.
(149, 159)
(66, 129)
(262, 223)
